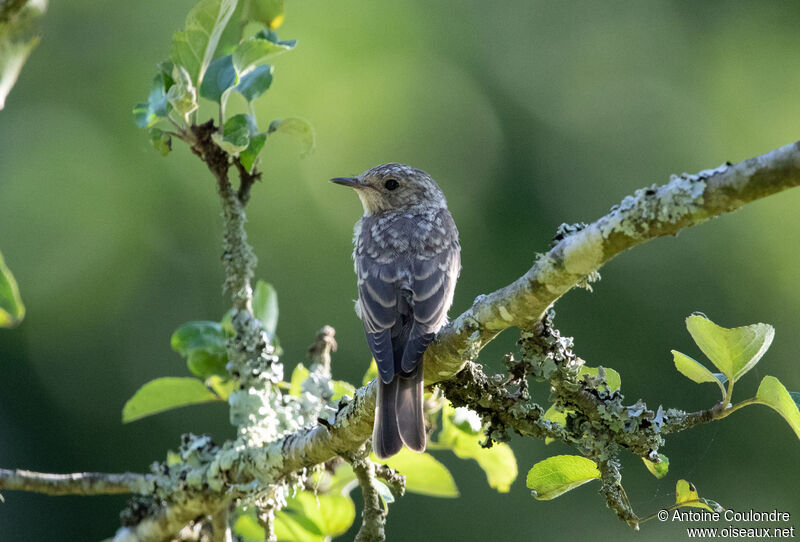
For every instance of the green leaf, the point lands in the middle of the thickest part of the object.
(164, 394)
(246, 526)
(220, 78)
(248, 156)
(148, 113)
(341, 482)
(255, 83)
(558, 474)
(265, 307)
(326, 515)
(161, 141)
(613, 379)
(236, 133)
(233, 32)
(203, 344)
(424, 474)
(460, 434)
(268, 12)
(297, 128)
(686, 495)
(12, 311)
(733, 351)
(194, 46)
(223, 387)
(371, 374)
(205, 363)
(291, 526)
(182, 95)
(299, 375)
(269, 35)
(18, 37)
(198, 335)
(696, 371)
(253, 52)
(774, 395)
(660, 469)
(556, 416)
(342, 388)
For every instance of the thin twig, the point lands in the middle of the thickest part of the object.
(373, 517)
(79, 483)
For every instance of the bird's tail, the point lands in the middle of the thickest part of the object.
(398, 415)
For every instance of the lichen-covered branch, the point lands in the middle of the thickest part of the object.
(687, 200)
(373, 516)
(79, 483)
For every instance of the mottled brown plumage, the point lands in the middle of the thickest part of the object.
(407, 260)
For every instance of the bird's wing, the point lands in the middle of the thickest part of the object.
(433, 284)
(377, 304)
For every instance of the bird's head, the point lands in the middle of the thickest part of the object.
(390, 187)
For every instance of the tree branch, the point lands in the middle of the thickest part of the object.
(373, 516)
(79, 483)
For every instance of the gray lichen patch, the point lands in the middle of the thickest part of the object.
(650, 207)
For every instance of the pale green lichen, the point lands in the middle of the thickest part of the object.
(668, 203)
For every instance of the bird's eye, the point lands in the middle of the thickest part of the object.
(391, 184)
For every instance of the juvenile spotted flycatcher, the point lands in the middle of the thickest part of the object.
(407, 259)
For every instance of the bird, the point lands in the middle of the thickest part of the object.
(407, 258)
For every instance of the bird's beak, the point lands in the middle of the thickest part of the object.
(352, 182)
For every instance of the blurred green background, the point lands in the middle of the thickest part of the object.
(528, 115)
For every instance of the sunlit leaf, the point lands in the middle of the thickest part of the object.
(223, 387)
(342, 388)
(265, 306)
(342, 481)
(613, 379)
(558, 474)
(331, 515)
(219, 78)
(424, 474)
(246, 526)
(371, 374)
(182, 95)
(686, 495)
(773, 394)
(660, 469)
(253, 52)
(291, 525)
(12, 311)
(460, 435)
(164, 394)
(555, 415)
(696, 371)
(299, 375)
(194, 46)
(297, 128)
(733, 351)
